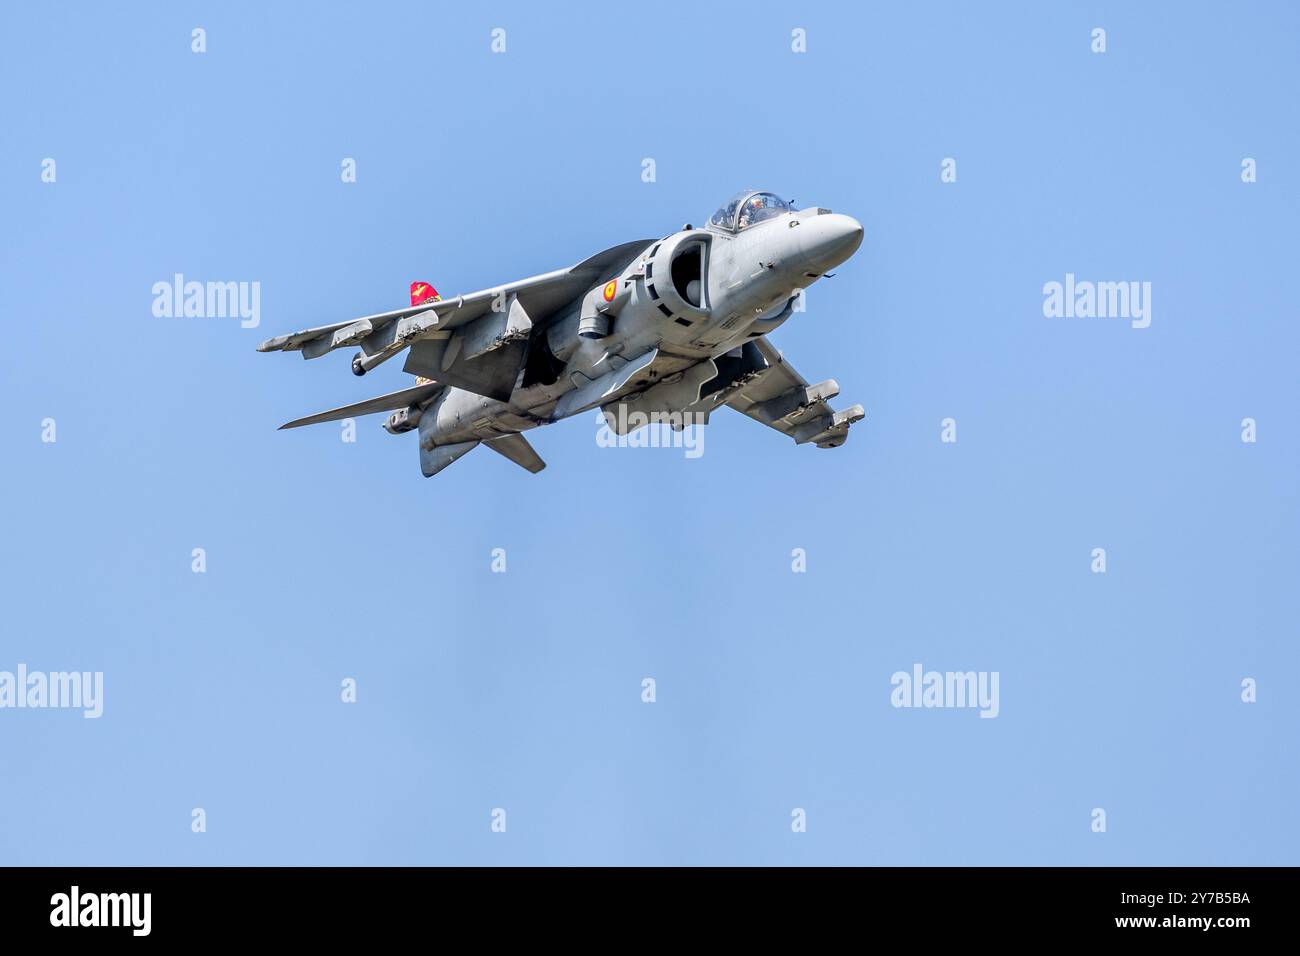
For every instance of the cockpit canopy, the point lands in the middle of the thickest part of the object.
(747, 208)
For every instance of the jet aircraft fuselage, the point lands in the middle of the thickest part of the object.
(676, 325)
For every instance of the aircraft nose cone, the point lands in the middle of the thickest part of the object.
(828, 240)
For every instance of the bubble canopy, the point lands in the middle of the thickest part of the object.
(748, 208)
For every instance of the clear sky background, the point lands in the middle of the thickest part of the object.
(522, 690)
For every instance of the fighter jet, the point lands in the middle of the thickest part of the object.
(672, 328)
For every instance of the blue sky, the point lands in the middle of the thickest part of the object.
(476, 690)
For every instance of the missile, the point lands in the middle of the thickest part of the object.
(362, 363)
(388, 341)
(797, 399)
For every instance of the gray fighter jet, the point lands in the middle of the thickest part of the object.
(671, 328)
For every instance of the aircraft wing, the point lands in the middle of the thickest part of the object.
(389, 332)
(384, 403)
(779, 397)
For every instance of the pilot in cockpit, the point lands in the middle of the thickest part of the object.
(759, 207)
(747, 209)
